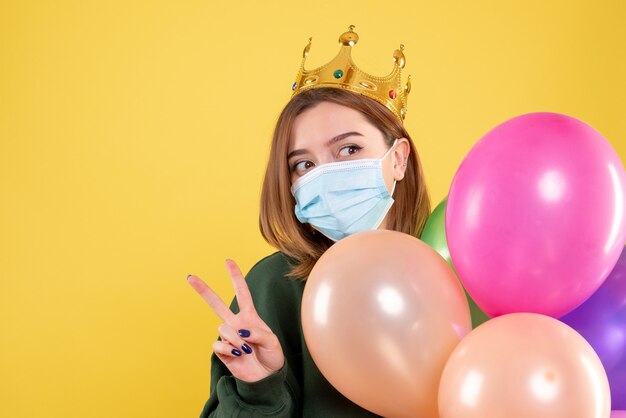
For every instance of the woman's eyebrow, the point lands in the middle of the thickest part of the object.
(330, 142)
(341, 137)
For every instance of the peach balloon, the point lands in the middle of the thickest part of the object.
(381, 313)
(524, 365)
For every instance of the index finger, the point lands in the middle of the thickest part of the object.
(214, 301)
(244, 298)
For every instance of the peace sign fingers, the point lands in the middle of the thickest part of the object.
(244, 299)
(242, 332)
(210, 297)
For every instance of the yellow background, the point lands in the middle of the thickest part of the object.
(134, 135)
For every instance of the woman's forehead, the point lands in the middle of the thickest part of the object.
(319, 124)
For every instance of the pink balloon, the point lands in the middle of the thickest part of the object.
(535, 217)
(618, 414)
(381, 313)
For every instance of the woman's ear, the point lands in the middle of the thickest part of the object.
(400, 157)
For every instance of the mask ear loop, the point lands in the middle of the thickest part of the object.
(390, 149)
(393, 188)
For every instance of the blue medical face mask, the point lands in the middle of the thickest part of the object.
(343, 198)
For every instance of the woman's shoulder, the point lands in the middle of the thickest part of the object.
(271, 271)
(275, 262)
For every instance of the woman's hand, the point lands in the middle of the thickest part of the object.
(248, 348)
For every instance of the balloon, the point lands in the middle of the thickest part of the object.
(535, 215)
(434, 234)
(524, 365)
(618, 414)
(381, 313)
(601, 319)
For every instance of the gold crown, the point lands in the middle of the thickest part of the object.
(341, 72)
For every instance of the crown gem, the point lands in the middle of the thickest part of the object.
(338, 74)
(293, 86)
(392, 94)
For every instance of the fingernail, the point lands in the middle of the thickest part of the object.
(246, 348)
(188, 276)
(244, 333)
(236, 352)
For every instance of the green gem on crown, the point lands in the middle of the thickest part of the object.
(338, 74)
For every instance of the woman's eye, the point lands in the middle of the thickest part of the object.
(349, 150)
(302, 166)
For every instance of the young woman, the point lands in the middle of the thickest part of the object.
(340, 163)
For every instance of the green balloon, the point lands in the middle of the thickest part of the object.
(434, 234)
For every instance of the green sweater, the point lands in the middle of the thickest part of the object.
(297, 390)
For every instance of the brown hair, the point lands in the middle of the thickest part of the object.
(277, 221)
